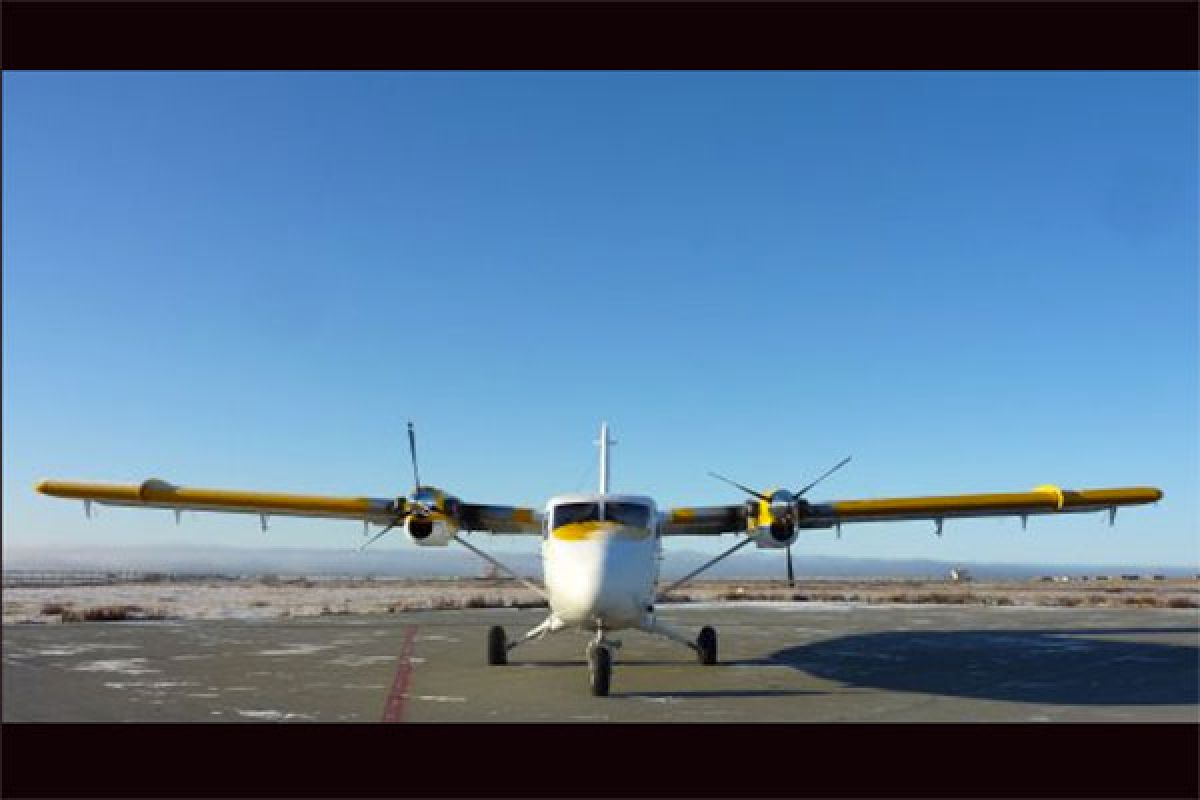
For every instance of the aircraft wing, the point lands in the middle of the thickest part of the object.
(500, 519)
(1042, 500)
(379, 511)
(704, 520)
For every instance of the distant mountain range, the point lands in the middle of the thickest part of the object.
(448, 562)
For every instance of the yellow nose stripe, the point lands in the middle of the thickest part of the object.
(591, 529)
(579, 531)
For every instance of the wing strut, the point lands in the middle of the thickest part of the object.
(541, 592)
(705, 566)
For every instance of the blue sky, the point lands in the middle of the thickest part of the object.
(970, 282)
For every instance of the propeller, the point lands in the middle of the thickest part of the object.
(402, 507)
(799, 498)
(828, 472)
(745, 489)
(412, 451)
(793, 499)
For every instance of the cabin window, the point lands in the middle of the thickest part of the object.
(575, 512)
(634, 515)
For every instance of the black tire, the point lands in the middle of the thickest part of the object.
(600, 669)
(497, 646)
(706, 645)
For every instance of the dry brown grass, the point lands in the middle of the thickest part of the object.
(941, 593)
(112, 614)
(1141, 601)
(284, 600)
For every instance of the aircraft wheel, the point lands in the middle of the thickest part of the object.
(600, 670)
(497, 646)
(706, 644)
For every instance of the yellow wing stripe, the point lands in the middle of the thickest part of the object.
(161, 493)
(1042, 499)
(682, 516)
(1054, 491)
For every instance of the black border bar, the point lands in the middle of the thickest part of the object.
(849, 760)
(620, 35)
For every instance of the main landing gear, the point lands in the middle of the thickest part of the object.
(497, 646)
(706, 645)
(600, 649)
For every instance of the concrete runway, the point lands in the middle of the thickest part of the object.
(779, 662)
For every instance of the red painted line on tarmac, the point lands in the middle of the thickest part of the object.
(393, 711)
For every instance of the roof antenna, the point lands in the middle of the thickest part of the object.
(604, 442)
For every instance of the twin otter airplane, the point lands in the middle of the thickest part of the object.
(601, 552)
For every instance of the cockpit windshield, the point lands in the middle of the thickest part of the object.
(634, 515)
(567, 513)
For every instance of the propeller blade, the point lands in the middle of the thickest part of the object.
(829, 472)
(791, 574)
(745, 489)
(412, 451)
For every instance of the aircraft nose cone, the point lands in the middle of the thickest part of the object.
(598, 580)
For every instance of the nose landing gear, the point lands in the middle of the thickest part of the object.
(600, 670)
(600, 660)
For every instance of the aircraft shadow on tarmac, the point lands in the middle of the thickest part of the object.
(581, 662)
(1054, 666)
(708, 693)
(689, 693)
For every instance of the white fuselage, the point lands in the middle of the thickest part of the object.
(600, 572)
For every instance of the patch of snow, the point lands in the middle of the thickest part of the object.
(297, 650)
(360, 661)
(272, 715)
(769, 605)
(125, 666)
(147, 684)
(76, 649)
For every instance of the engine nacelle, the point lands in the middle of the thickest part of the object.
(775, 536)
(772, 519)
(429, 532)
